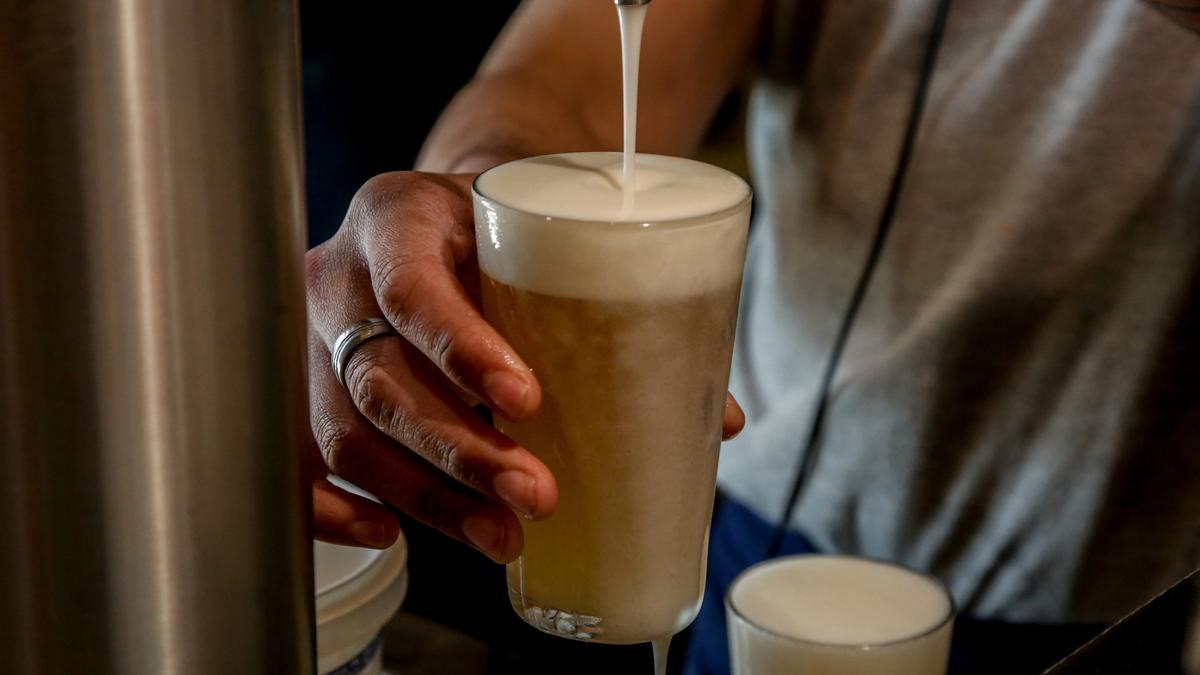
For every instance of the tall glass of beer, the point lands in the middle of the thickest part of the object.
(623, 302)
(838, 615)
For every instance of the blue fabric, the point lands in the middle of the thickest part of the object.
(739, 539)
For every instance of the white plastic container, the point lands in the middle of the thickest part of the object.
(358, 591)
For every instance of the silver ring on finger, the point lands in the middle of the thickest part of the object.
(352, 338)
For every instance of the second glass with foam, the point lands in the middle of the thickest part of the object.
(624, 304)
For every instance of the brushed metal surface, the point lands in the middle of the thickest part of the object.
(151, 319)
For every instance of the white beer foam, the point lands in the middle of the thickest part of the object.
(561, 225)
(840, 600)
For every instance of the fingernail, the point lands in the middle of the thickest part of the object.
(735, 434)
(730, 403)
(516, 488)
(369, 533)
(506, 390)
(483, 533)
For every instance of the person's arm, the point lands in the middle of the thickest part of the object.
(406, 251)
(552, 82)
(1185, 12)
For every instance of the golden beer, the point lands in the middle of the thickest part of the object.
(629, 328)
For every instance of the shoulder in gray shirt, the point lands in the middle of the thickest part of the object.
(1018, 407)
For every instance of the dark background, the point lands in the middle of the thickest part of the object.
(376, 76)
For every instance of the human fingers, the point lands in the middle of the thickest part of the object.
(417, 280)
(735, 418)
(342, 517)
(355, 450)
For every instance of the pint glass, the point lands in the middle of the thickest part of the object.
(837, 615)
(624, 306)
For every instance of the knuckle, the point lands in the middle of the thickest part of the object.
(436, 447)
(316, 271)
(395, 284)
(379, 192)
(368, 383)
(373, 393)
(427, 193)
(441, 347)
(433, 190)
(314, 260)
(401, 284)
(375, 203)
(449, 348)
(447, 456)
(333, 438)
(331, 272)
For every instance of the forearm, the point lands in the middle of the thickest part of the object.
(509, 114)
(1186, 12)
(552, 83)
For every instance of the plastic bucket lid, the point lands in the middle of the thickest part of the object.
(358, 591)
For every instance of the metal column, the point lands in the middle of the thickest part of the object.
(152, 507)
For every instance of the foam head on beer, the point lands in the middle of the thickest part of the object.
(624, 307)
(646, 249)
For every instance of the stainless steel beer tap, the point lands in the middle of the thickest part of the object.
(152, 405)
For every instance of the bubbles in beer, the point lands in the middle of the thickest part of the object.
(628, 322)
(564, 624)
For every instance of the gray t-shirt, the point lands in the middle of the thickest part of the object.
(1018, 407)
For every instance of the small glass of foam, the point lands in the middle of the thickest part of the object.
(838, 615)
